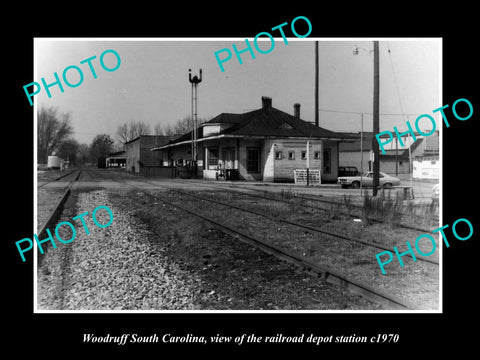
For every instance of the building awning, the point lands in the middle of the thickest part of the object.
(233, 136)
(186, 142)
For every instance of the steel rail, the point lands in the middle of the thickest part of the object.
(56, 179)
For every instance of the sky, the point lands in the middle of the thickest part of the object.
(151, 84)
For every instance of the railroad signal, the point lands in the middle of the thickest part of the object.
(195, 80)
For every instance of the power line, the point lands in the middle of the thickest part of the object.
(396, 82)
(366, 113)
(405, 119)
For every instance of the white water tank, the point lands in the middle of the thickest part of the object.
(54, 162)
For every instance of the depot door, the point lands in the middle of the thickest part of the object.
(228, 157)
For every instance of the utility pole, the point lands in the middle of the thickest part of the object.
(396, 156)
(316, 111)
(361, 154)
(316, 84)
(376, 120)
(307, 152)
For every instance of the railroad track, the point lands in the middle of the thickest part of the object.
(389, 301)
(248, 191)
(331, 275)
(303, 226)
(57, 179)
(56, 211)
(328, 273)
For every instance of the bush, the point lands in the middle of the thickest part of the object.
(287, 194)
(383, 208)
(428, 212)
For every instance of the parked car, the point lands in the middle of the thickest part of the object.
(347, 171)
(367, 180)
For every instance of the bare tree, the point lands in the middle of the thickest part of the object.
(122, 133)
(164, 130)
(158, 129)
(68, 150)
(180, 127)
(52, 129)
(129, 131)
(101, 145)
(83, 154)
(183, 126)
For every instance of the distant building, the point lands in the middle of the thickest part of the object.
(426, 158)
(139, 158)
(55, 163)
(396, 159)
(116, 160)
(350, 153)
(265, 144)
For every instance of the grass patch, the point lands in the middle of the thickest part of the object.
(387, 209)
(287, 194)
(395, 209)
(347, 202)
(335, 211)
(427, 212)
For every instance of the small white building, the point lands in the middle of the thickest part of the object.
(55, 162)
(426, 168)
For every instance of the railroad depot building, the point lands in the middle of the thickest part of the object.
(266, 144)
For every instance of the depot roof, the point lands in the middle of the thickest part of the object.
(265, 122)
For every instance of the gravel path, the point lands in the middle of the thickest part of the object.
(111, 268)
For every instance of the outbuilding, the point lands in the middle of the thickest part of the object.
(266, 144)
(139, 158)
(116, 160)
(396, 159)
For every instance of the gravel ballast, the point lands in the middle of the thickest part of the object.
(112, 268)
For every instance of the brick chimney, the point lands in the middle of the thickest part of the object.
(296, 110)
(266, 102)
